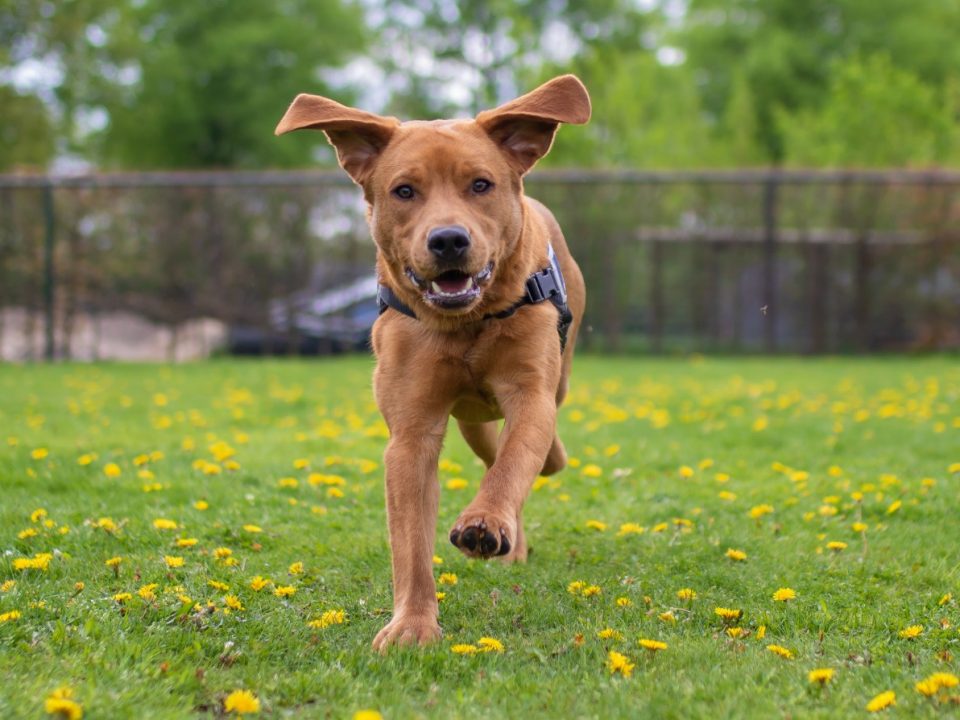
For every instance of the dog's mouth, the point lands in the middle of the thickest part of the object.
(453, 289)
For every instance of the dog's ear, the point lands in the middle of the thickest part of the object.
(359, 137)
(524, 128)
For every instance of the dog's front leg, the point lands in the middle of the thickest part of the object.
(417, 426)
(490, 524)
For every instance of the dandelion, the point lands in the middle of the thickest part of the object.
(464, 649)
(592, 471)
(735, 555)
(217, 585)
(609, 634)
(734, 632)
(882, 701)
(448, 579)
(686, 594)
(591, 591)
(328, 618)
(836, 546)
(624, 602)
(233, 602)
(668, 616)
(761, 632)
(61, 703)
(653, 646)
(147, 592)
(39, 453)
(241, 702)
(112, 470)
(258, 583)
(596, 525)
(686, 471)
(9, 616)
(186, 542)
(820, 675)
(945, 599)
(440, 596)
(367, 715)
(284, 591)
(489, 644)
(7, 586)
(728, 615)
(201, 505)
(164, 524)
(296, 568)
(781, 651)
(253, 528)
(222, 553)
(859, 527)
(758, 511)
(931, 685)
(617, 663)
(121, 598)
(911, 632)
(456, 484)
(784, 595)
(894, 506)
(173, 561)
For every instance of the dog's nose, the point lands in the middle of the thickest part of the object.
(449, 243)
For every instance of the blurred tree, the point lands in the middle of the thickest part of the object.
(26, 134)
(874, 115)
(784, 49)
(215, 77)
(646, 115)
(456, 57)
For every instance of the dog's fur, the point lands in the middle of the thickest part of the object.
(450, 360)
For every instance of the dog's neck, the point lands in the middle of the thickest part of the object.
(507, 286)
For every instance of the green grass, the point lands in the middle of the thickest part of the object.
(889, 424)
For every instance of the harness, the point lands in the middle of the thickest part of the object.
(546, 284)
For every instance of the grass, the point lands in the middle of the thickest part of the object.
(825, 443)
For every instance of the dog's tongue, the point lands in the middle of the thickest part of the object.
(452, 282)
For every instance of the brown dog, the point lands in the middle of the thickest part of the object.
(463, 259)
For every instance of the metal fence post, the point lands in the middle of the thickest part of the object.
(769, 309)
(49, 221)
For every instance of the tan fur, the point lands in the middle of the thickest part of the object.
(452, 361)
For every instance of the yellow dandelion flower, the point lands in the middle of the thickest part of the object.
(489, 644)
(61, 703)
(911, 632)
(201, 505)
(27, 533)
(112, 470)
(186, 542)
(728, 614)
(624, 602)
(630, 529)
(39, 453)
(7, 586)
(781, 651)
(761, 632)
(820, 675)
(652, 645)
(734, 632)
(882, 701)
(241, 702)
(659, 527)
(9, 616)
(686, 471)
(727, 495)
(945, 599)
(122, 597)
(113, 562)
(464, 649)
(894, 506)
(296, 568)
(735, 555)
(668, 616)
(164, 524)
(284, 591)
(367, 715)
(758, 511)
(686, 594)
(253, 528)
(609, 634)
(448, 579)
(456, 484)
(147, 592)
(617, 663)
(233, 602)
(440, 596)
(217, 585)
(259, 583)
(173, 561)
(591, 591)
(785, 595)
(575, 587)
(859, 527)
(596, 525)
(592, 471)
(836, 546)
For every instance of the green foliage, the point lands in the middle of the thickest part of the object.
(874, 115)
(26, 134)
(216, 76)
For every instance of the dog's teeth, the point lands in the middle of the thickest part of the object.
(436, 288)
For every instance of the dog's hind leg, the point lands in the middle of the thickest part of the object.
(556, 458)
(482, 439)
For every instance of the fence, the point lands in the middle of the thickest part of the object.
(773, 261)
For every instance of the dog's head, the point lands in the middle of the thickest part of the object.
(445, 196)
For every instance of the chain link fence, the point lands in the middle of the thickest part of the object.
(181, 265)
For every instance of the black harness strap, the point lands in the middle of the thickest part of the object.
(546, 284)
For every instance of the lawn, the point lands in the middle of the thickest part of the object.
(244, 501)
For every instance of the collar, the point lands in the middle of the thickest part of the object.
(545, 284)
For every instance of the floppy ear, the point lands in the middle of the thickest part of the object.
(359, 137)
(524, 128)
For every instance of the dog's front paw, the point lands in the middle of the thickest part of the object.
(408, 630)
(483, 534)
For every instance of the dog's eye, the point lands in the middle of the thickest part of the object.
(404, 192)
(481, 185)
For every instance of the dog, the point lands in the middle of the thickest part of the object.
(480, 304)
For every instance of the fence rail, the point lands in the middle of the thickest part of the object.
(743, 260)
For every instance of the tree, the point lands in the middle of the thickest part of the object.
(874, 115)
(26, 133)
